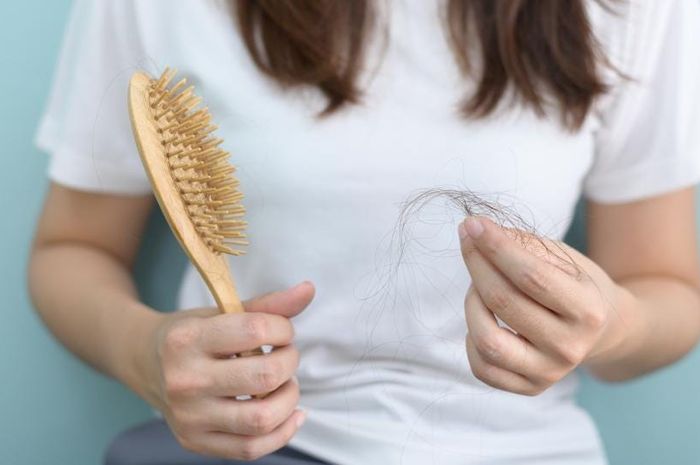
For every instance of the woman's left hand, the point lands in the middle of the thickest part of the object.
(561, 308)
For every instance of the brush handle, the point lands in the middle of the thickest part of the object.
(223, 289)
(218, 277)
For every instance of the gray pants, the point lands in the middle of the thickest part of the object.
(152, 443)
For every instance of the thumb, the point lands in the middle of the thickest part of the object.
(288, 302)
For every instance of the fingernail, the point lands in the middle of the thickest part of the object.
(473, 227)
(301, 418)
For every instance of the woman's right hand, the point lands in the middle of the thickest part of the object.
(190, 377)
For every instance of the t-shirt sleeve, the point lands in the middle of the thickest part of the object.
(85, 127)
(648, 142)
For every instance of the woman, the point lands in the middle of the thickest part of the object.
(336, 113)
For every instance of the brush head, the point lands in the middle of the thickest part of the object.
(176, 139)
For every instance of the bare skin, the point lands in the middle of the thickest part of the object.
(637, 309)
(80, 281)
(634, 307)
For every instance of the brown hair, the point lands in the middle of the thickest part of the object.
(538, 48)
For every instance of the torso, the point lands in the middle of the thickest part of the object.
(384, 373)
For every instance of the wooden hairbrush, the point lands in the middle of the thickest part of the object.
(191, 178)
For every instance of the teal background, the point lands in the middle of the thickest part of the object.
(54, 410)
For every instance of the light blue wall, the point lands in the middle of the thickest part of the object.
(651, 421)
(54, 410)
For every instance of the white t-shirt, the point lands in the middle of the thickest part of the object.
(384, 374)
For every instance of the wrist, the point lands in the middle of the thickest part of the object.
(619, 336)
(136, 365)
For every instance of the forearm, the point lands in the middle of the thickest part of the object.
(658, 323)
(89, 302)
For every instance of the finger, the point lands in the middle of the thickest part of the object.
(288, 302)
(497, 377)
(253, 375)
(239, 447)
(501, 348)
(536, 323)
(256, 416)
(230, 333)
(542, 281)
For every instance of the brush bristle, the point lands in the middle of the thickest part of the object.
(199, 167)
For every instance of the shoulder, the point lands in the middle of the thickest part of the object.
(152, 19)
(632, 32)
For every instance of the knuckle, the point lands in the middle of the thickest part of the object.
(257, 328)
(266, 376)
(482, 371)
(534, 280)
(593, 318)
(248, 451)
(572, 353)
(490, 346)
(262, 420)
(499, 299)
(269, 376)
(182, 335)
(547, 378)
(479, 372)
(479, 368)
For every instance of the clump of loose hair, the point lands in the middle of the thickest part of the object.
(468, 203)
(402, 258)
